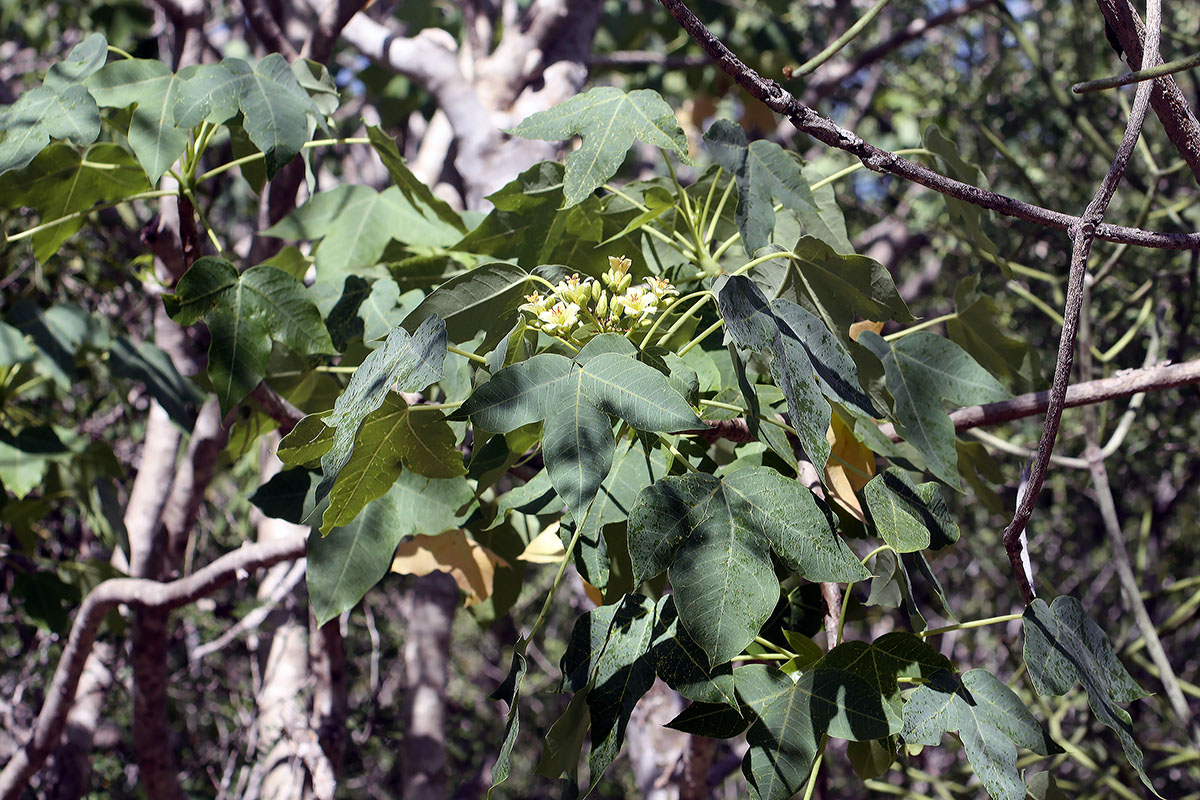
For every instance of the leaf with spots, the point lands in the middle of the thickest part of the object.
(990, 720)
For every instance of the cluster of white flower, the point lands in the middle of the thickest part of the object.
(610, 304)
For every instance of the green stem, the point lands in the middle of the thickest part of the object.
(761, 657)
(666, 311)
(754, 262)
(1150, 73)
(237, 162)
(846, 38)
(962, 626)
(767, 643)
(816, 767)
(36, 229)
(679, 323)
(712, 190)
(112, 48)
(673, 451)
(716, 217)
(558, 576)
(458, 351)
(929, 323)
(435, 406)
(703, 335)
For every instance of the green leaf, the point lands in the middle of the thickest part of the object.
(350, 560)
(152, 87)
(518, 395)
(482, 300)
(524, 224)
(683, 665)
(990, 720)
(83, 60)
(715, 535)
(872, 758)
(404, 363)
(752, 324)
(152, 367)
(1063, 646)
(714, 720)
(909, 517)
(417, 193)
(608, 120)
(13, 347)
(355, 224)
(390, 438)
(578, 446)
(922, 369)
(880, 663)
(61, 181)
(968, 215)
(638, 394)
(42, 114)
(974, 328)
(834, 287)
(766, 173)
(307, 442)
(831, 361)
(509, 692)
(790, 718)
(564, 741)
(288, 495)
(244, 314)
(608, 654)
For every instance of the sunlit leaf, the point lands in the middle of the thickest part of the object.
(471, 565)
(153, 88)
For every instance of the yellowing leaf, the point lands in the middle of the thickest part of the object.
(865, 325)
(546, 548)
(592, 593)
(471, 565)
(849, 468)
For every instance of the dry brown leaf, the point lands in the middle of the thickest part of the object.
(865, 325)
(472, 566)
(546, 548)
(841, 480)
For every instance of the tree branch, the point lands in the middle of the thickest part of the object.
(825, 130)
(267, 29)
(136, 592)
(1082, 237)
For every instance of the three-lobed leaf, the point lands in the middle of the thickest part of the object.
(608, 120)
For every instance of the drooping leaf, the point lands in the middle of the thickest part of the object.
(61, 181)
(1063, 646)
(153, 87)
(790, 718)
(608, 120)
(909, 517)
(831, 362)
(404, 363)
(244, 314)
(42, 114)
(83, 60)
(355, 224)
(483, 300)
(578, 446)
(510, 693)
(922, 370)
(564, 741)
(715, 535)
(766, 173)
(974, 327)
(683, 664)
(417, 193)
(350, 560)
(754, 326)
(608, 654)
(152, 367)
(990, 720)
(882, 662)
(969, 215)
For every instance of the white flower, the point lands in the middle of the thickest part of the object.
(661, 287)
(560, 318)
(638, 302)
(575, 290)
(535, 303)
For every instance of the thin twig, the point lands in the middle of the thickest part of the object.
(825, 130)
(1083, 235)
(1113, 81)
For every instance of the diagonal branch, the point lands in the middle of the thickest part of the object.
(828, 132)
(136, 592)
(1083, 235)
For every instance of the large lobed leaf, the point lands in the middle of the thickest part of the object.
(714, 537)
(152, 88)
(244, 314)
(909, 517)
(608, 120)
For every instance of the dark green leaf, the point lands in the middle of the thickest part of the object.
(922, 369)
(1063, 646)
(509, 692)
(716, 721)
(716, 534)
(907, 516)
(417, 193)
(288, 495)
(683, 664)
(578, 445)
(152, 367)
(484, 299)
